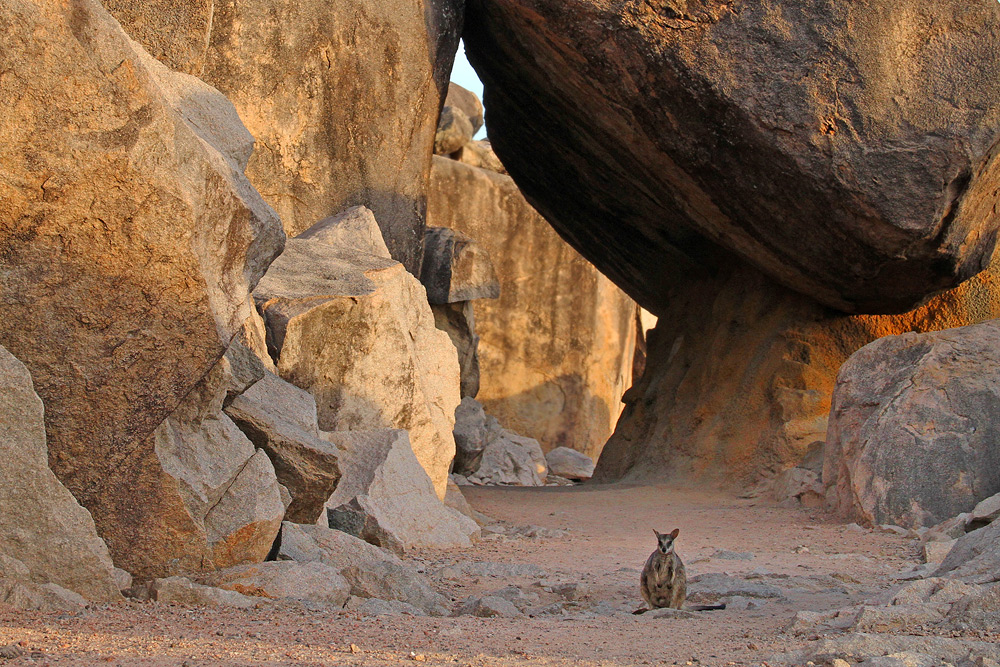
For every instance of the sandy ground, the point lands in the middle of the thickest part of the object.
(609, 537)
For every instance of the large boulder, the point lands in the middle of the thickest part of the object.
(913, 436)
(741, 371)
(386, 498)
(131, 243)
(343, 97)
(388, 367)
(555, 349)
(659, 129)
(281, 419)
(42, 526)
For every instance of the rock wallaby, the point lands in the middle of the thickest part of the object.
(663, 583)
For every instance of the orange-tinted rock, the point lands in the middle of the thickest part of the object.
(342, 97)
(130, 243)
(846, 149)
(555, 349)
(741, 371)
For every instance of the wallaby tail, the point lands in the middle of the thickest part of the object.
(707, 607)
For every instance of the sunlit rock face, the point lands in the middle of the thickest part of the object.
(131, 240)
(845, 149)
(555, 349)
(342, 97)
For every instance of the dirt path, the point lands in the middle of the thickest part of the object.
(609, 536)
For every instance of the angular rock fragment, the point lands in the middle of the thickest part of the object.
(308, 543)
(387, 581)
(45, 535)
(29, 596)
(489, 606)
(912, 438)
(800, 486)
(386, 498)
(459, 322)
(390, 367)
(470, 435)
(377, 607)
(280, 418)
(101, 144)
(181, 590)
(370, 571)
(983, 514)
(479, 154)
(569, 463)
(509, 458)
(219, 498)
(975, 558)
(355, 229)
(658, 130)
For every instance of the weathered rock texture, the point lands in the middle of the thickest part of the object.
(281, 419)
(487, 453)
(456, 271)
(370, 571)
(456, 268)
(741, 371)
(556, 348)
(467, 101)
(131, 241)
(913, 435)
(658, 128)
(388, 367)
(343, 97)
(218, 499)
(41, 524)
(386, 498)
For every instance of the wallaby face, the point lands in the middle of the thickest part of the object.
(666, 542)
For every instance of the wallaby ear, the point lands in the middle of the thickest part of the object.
(675, 533)
(657, 533)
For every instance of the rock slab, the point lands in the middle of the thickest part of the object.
(387, 499)
(868, 128)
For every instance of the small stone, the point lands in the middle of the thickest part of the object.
(936, 552)
(801, 549)
(723, 554)
(11, 651)
(355, 649)
(419, 657)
